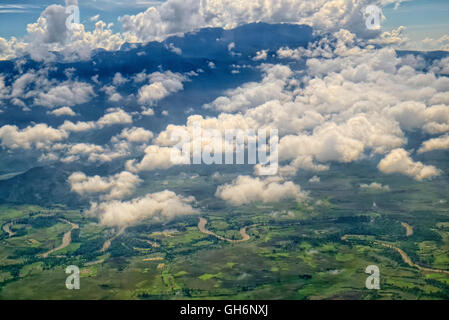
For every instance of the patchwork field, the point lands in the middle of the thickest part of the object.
(318, 249)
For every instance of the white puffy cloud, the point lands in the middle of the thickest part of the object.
(394, 36)
(399, 161)
(416, 115)
(135, 135)
(65, 94)
(352, 102)
(4, 90)
(83, 43)
(38, 136)
(109, 155)
(94, 18)
(115, 116)
(374, 186)
(174, 49)
(440, 143)
(158, 207)
(287, 53)
(64, 111)
(115, 187)
(80, 126)
(119, 80)
(51, 25)
(49, 34)
(10, 49)
(250, 95)
(46, 92)
(112, 93)
(246, 189)
(161, 86)
(148, 112)
(440, 66)
(441, 43)
(85, 149)
(261, 55)
(345, 142)
(156, 157)
(180, 16)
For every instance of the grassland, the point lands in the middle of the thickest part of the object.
(295, 251)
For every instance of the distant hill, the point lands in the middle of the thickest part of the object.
(41, 186)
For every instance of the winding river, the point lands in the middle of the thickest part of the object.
(108, 242)
(202, 228)
(404, 256)
(7, 229)
(66, 240)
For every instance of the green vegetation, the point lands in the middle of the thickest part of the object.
(314, 250)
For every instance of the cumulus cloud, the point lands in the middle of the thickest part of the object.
(436, 44)
(156, 157)
(177, 16)
(261, 55)
(38, 136)
(440, 143)
(94, 18)
(161, 86)
(399, 161)
(119, 80)
(345, 142)
(46, 92)
(440, 66)
(80, 126)
(112, 93)
(115, 116)
(85, 149)
(374, 186)
(148, 112)
(115, 187)
(49, 34)
(157, 207)
(353, 102)
(394, 36)
(10, 49)
(4, 90)
(51, 25)
(134, 135)
(250, 95)
(64, 111)
(416, 115)
(350, 102)
(246, 189)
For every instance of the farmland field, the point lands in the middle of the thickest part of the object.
(317, 249)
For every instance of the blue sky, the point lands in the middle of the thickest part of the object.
(422, 18)
(15, 15)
